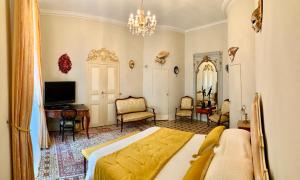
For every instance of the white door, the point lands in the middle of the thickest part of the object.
(160, 93)
(103, 90)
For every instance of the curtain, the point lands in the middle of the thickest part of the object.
(44, 134)
(23, 51)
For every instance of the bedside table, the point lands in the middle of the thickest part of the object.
(242, 125)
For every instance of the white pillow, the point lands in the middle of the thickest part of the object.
(235, 143)
(233, 157)
(230, 168)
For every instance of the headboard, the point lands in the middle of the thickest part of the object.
(259, 150)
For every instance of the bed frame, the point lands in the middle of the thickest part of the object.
(258, 141)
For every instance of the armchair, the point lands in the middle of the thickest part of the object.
(185, 109)
(220, 116)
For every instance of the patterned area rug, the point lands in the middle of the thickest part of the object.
(64, 160)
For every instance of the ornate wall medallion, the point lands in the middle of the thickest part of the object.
(231, 52)
(131, 64)
(64, 63)
(257, 17)
(161, 57)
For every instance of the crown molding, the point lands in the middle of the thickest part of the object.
(47, 12)
(225, 5)
(171, 28)
(206, 26)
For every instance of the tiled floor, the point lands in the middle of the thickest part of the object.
(64, 160)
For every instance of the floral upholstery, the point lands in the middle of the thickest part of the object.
(184, 113)
(133, 109)
(137, 116)
(216, 118)
(186, 108)
(186, 103)
(223, 116)
(130, 105)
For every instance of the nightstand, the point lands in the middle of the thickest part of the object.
(241, 124)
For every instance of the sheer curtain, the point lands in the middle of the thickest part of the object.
(39, 132)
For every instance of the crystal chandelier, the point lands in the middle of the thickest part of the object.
(142, 24)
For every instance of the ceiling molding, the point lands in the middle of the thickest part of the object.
(225, 5)
(171, 28)
(47, 12)
(206, 26)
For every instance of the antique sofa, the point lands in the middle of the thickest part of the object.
(133, 109)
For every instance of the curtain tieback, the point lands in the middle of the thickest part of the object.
(18, 127)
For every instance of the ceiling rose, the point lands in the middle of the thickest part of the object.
(141, 24)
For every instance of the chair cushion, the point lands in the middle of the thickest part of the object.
(137, 116)
(216, 117)
(130, 105)
(184, 113)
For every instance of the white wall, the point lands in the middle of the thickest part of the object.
(278, 80)
(5, 155)
(209, 39)
(77, 37)
(241, 35)
(172, 42)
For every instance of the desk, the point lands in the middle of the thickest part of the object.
(207, 111)
(82, 111)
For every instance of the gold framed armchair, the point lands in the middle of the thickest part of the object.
(185, 109)
(221, 116)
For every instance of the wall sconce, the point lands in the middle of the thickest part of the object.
(231, 52)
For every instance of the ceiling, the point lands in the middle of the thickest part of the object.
(180, 14)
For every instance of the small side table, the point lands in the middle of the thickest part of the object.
(241, 124)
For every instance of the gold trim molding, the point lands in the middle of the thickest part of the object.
(103, 54)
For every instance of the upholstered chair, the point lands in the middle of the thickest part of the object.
(185, 109)
(220, 116)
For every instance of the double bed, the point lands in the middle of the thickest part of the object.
(161, 153)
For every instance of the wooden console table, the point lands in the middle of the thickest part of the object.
(207, 111)
(82, 112)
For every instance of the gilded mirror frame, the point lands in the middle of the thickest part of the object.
(216, 59)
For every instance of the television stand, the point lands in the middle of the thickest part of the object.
(54, 112)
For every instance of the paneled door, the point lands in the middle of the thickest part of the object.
(103, 90)
(160, 93)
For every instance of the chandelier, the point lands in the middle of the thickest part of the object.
(142, 24)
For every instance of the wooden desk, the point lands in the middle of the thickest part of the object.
(241, 124)
(82, 112)
(207, 111)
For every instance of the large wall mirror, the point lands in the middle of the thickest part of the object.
(208, 79)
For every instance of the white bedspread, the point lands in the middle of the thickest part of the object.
(174, 169)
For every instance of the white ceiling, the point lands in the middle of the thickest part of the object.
(181, 14)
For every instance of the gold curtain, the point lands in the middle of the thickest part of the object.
(44, 134)
(24, 29)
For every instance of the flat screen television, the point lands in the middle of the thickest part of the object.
(62, 92)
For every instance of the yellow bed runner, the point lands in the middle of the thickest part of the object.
(142, 159)
(88, 151)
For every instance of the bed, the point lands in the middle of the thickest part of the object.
(161, 153)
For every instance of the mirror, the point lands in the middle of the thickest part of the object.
(208, 79)
(207, 82)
